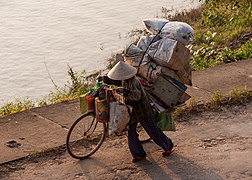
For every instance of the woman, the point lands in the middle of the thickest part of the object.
(136, 97)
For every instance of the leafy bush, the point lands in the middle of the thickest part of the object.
(223, 34)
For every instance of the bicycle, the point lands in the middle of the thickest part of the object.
(86, 135)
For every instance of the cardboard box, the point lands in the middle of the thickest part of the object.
(172, 56)
(150, 71)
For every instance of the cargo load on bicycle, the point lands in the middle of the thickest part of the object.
(162, 60)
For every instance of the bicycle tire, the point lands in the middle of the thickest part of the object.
(83, 143)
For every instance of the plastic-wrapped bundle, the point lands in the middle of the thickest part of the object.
(180, 31)
(162, 51)
(133, 55)
(170, 53)
(149, 71)
(165, 55)
(185, 74)
(133, 50)
(154, 25)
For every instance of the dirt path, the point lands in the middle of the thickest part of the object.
(208, 145)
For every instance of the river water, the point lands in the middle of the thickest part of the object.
(37, 37)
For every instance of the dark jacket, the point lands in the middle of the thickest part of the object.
(136, 97)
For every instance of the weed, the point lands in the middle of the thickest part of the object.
(217, 99)
(237, 96)
(191, 104)
(17, 106)
(79, 84)
(179, 112)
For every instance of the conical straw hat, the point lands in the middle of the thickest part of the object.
(122, 71)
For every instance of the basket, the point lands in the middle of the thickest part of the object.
(102, 110)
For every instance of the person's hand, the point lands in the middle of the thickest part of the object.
(99, 78)
(120, 90)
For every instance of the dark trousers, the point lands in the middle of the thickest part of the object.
(155, 133)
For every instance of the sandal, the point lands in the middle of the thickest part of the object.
(139, 158)
(167, 153)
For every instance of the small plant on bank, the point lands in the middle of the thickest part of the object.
(189, 107)
(217, 99)
(237, 96)
(17, 106)
(79, 84)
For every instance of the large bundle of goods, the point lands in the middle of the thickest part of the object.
(162, 60)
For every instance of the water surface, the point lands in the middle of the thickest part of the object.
(60, 32)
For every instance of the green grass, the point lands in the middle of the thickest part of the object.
(223, 34)
(236, 96)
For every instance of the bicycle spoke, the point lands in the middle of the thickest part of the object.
(85, 136)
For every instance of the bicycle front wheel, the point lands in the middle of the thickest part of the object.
(85, 136)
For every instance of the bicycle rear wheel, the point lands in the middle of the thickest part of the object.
(85, 136)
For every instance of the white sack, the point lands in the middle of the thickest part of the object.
(180, 31)
(154, 25)
(119, 117)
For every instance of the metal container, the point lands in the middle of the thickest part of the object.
(168, 90)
